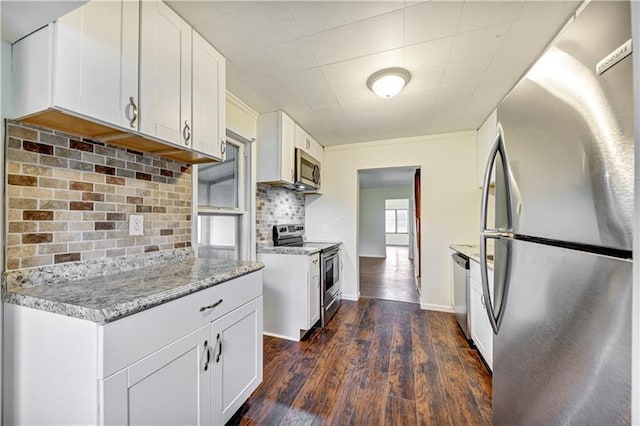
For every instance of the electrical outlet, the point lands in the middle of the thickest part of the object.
(136, 224)
(323, 229)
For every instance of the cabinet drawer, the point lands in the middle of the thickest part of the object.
(127, 340)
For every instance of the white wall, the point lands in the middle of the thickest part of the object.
(450, 202)
(372, 237)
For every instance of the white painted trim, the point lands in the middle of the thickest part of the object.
(412, 139)
(437, 308)
(353, 298)
(279, 336)
(372, 255)
(241, 105)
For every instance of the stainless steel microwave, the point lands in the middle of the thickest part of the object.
(307, 172)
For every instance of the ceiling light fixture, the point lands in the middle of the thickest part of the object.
(388, 82)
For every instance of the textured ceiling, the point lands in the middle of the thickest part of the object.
(312, 59)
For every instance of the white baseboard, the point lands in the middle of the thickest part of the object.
(279, 336)
(438, 308)
(351, 297)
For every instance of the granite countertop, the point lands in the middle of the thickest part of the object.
(310, 247)
(471, 251)
(106, 298)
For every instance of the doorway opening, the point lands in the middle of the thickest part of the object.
(388, 221)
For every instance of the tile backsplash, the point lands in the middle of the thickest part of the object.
(69, 199)
(276, 205)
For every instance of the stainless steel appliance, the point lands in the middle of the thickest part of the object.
(307, 172)
(330, 266)
(461, 292)
(563, 230)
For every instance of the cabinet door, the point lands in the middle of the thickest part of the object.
(96, 61)
(169, 387)
(209, 98)
(237, 358)
(165, 74)
(287, 149)
(481, 331)
(314, 291)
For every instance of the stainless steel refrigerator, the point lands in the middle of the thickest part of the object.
(562, 236)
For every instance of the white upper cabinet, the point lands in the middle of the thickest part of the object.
(486, 138)
(127, 73)
(86, 63)
(308, 144)
(96, 64)
(165, 74)
(276, 148)
(208, 98)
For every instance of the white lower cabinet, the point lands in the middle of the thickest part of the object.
(291, 294)
(172, 364)
(481, 331)
(171, 386)
(236, 359)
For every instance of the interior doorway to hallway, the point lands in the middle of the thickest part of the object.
(388, 220)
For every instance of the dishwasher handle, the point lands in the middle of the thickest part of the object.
(461, 260)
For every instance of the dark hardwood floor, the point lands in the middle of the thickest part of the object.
(376, 363)
(390, 278)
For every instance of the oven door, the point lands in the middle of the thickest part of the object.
(330, 274)
(307, 170)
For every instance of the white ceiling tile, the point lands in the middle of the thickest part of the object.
(538, 8)
(482, 14)
(256, 63)
(316, 16)
(465, 70)
(346, 73)
(360, 10)
(430, 54)
(270, 22)
(532, 35)
(380, 33)
(349, 93)
(335, 45)
(431, 20)
(507, 66)
(293, 56)
(196, 12)
(455, 95)
(477, 44)
(378, 61)
(230, 38)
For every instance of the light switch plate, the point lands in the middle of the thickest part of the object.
(136, 224)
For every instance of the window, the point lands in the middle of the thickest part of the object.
(396, 216)
(397, 221)
(222, 200)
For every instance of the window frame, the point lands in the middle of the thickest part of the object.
(395, 221)
(244, 211)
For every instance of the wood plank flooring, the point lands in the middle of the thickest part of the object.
(390, 278)
(376, 363)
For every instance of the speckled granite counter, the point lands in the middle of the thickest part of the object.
(308, 249)
(471, 251)
(108, 297)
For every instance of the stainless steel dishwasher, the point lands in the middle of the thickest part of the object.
(461, 292)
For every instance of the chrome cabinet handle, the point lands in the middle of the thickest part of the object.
(186, 132)
(208, 352)
(213, 305)
(134, 108)
(223, 147)
(219, 340)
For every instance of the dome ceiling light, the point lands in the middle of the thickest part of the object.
(388, 82)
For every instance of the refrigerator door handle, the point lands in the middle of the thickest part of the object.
(486, 234)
